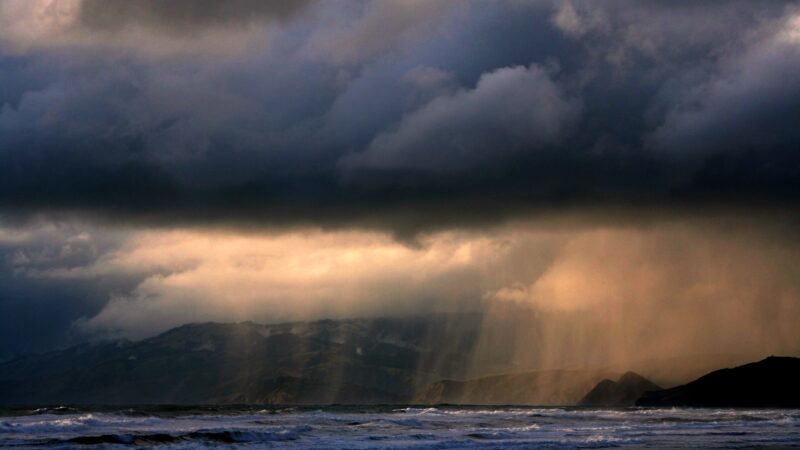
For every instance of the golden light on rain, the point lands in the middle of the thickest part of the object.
(614, 292)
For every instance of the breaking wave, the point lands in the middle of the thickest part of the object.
(411, 427)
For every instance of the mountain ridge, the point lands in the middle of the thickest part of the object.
(422, 360)
(771, 382)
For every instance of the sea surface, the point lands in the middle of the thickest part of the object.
(393, 427)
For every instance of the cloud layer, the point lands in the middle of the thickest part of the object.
(393, 114)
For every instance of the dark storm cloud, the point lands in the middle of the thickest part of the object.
(407, 116)
(37, 312)
(510, 111)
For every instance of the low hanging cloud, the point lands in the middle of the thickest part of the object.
(211, 276)
(599, 295)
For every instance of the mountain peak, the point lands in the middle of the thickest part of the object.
(623, 392)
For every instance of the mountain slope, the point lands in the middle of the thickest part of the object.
(352, 361)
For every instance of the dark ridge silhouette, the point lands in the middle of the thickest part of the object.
(624, 392)
(772, 382)
(671, 371)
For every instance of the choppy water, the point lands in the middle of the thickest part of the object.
(388, 427)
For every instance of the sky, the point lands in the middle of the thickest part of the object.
(173, 161)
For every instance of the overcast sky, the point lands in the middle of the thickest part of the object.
(169, 161)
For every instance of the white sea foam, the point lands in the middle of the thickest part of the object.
(420, 428)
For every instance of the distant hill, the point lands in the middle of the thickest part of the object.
(540, 387)
(623, 392)
(358, 361)
(347, 361)
(772, 382)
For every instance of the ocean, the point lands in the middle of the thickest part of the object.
(385, 427)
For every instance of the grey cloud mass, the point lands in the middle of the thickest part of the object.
(511, 110)
(544, 103)
(743, 104)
